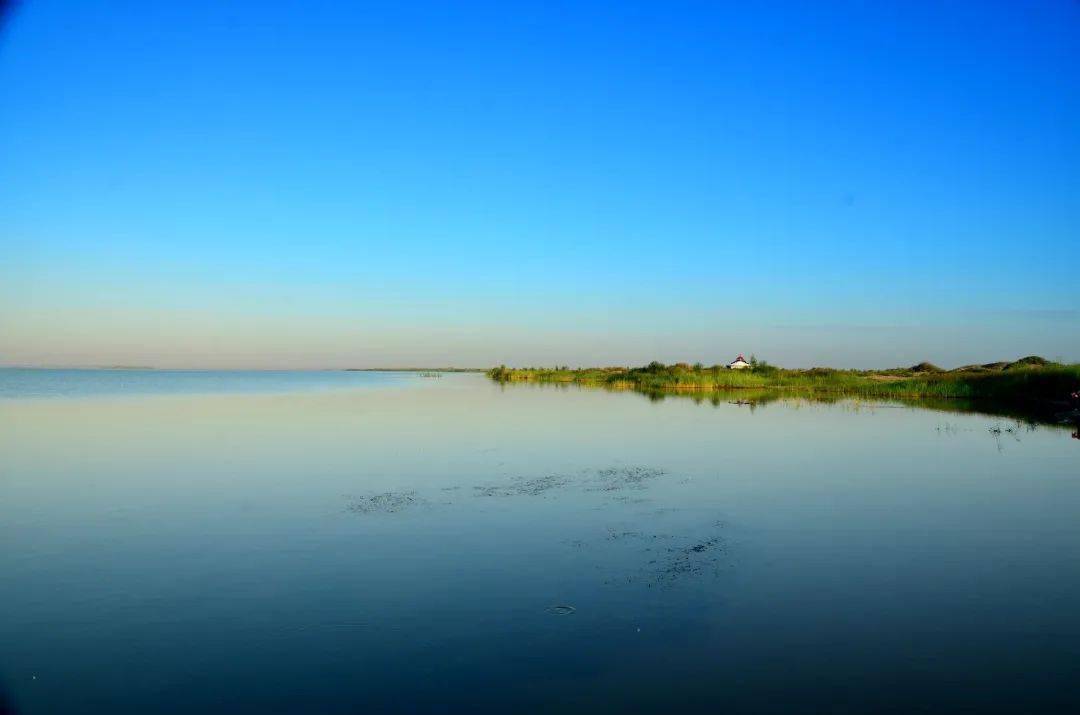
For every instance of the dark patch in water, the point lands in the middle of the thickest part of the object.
(619, 478)
(663, 565)
(561, 610)
(656, 558)
(635, 535)
(385, 503)
(524, 487)
(692, 560)
(624, 499)
(611, 479)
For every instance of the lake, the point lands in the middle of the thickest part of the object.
(336, 542)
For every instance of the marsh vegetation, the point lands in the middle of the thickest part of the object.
(1029, 386)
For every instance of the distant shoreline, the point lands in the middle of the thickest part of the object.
(241, 369)
(1031, 386)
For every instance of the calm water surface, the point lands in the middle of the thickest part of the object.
(23, 383)
(357, 542)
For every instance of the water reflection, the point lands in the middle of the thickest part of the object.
(1034, 414)
(450, 545)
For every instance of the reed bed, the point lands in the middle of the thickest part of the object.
(1033, 380)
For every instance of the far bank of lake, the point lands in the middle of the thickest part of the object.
(1030, 388)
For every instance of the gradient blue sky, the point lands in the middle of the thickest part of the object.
(259, 184)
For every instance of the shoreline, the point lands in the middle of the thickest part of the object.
(1030, 388)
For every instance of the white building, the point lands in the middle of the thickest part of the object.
(738, 364)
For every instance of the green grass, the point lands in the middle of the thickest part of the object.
(1030, 381)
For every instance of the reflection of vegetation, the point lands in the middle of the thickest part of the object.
(1028, 388)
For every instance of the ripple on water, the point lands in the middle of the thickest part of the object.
(385, 502)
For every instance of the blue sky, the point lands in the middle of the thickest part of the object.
(259, 184)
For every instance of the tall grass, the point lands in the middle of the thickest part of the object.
(1023, 382)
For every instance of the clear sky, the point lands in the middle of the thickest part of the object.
(327, 184)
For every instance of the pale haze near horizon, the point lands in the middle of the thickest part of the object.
(264, 186)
